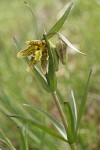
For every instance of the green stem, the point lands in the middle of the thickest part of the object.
(73, 146)
(69, 135)
(60, 110)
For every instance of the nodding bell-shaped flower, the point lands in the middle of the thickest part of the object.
(36, 51)
(61, 49)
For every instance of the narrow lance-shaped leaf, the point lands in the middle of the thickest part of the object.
(68, 43)
(16, 44)
(7, 141)
(69, 134)
(34, 19)
(34, 137)
(83, 102)
(38, 74)
(52, 81)
(56, 59)
(59, 127)
(59, 23)
(40, 126)
(23, 134)
(41, 78)
(70, 118)
(73, 106)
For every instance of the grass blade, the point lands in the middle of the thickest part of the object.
(5, 111)
(73, 106)
(60, 22)
(7, 141)
(51, 76)
(83, 102)
(34, 19)
(52, 119)
(39, 125)
(35, 137)
(23, 134)
(17, 44)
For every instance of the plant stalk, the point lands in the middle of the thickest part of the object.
(60, 110)
(73, 146)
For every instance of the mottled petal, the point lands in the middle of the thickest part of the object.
(39, 43)
(24, 53)
(31, 65)
(34, 53)
(61, 49)
(44, 60)
(34, 60)
(38, 55)
(31, 42)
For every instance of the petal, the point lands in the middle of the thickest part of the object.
(38, 55)
(39, 43)
(31, 65)
(61, 49)
(44, 60)
(34, 60)
(31, 42)
(29, 51)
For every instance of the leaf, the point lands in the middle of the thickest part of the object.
(17, 44)
(51, 76)
(41, 78)
(34, 136)
(39, 125)
(52, 119)
(73, 106)
(70, 118)
(38, 74)
(83, 101)
(5, 111)
(62, 114)
(68, 43)
(56, 59)
(23, 134)
(59, 23)
(34, 19)
(7, 141)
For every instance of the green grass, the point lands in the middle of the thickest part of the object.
(18, 87)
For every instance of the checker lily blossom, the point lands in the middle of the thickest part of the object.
(36, 51)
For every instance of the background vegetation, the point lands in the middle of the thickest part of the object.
(17, 86)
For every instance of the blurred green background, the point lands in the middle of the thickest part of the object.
(17, 86)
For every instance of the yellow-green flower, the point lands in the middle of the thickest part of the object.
(36, 51)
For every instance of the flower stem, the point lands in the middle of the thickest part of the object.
(60, 110)
(73, 146)
(64, 121)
